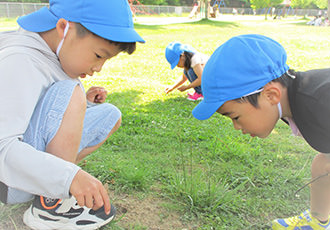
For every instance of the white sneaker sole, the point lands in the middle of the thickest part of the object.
(39, 224)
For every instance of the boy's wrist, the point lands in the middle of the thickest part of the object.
(90, 104)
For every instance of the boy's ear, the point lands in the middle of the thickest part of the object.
(272, 92)
(60, 27)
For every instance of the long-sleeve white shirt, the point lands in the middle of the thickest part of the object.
(27, 68)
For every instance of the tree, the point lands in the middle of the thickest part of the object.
(204, 4)
(303, 4)
(322, 4)
(153, 2)
(259, 4)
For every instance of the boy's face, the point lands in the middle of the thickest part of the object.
(249, 119)
(81, 56)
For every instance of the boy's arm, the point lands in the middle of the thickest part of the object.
(22, 166)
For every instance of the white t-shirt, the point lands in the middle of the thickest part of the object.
(199, 58)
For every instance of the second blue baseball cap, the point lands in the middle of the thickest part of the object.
(238, 67)
(109, 19)
(174, 50)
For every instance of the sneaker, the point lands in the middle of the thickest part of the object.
(303, 222)
(46, 213)
(195, 97)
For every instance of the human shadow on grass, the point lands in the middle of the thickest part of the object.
(200, 22)
(172, 110)
(302, 23)
(148, 27)
(209, 22)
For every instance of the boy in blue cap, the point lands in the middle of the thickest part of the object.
(186, 57)
(247, 79)
(45, 125)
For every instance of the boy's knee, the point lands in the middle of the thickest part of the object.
(321, 164)
(78, 99)
(115, 127)
(118, 124)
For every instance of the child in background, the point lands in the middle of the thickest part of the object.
(192, 62)
(255, 88)
(46, 128)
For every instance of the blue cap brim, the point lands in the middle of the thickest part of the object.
(31, 22)
(114, 33)
(205, 110)
(175, 63)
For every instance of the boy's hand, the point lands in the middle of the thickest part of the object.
(89, 192)
(96, 94)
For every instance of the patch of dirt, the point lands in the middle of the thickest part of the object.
(11, 216)
(132, 213)
(147, 212)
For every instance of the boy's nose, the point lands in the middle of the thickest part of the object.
(236, 126)
(98, 67)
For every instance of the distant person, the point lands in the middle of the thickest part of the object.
(318, 21)
(264, 90)
(312, 21)
(48, 123)
(186, 57)
(235, 11)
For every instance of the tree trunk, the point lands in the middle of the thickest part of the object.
(205, 7)
(328, 8)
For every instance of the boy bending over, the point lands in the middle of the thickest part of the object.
(247, 79)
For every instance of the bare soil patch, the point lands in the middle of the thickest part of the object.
(132, 213)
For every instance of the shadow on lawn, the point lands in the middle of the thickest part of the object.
(209, 22)
(175, 108)
(200, 22)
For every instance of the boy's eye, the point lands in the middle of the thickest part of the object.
(98, 56)
(235, 118)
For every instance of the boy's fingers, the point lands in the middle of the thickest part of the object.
(89, 203)
(80, 201)
(98, 202)
(106, 200)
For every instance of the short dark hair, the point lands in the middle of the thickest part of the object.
(128, 47)
(285, 80)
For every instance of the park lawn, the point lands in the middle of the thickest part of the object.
(211, 174)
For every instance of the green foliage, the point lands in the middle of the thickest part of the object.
(302, 4)
(164, 2)
(259, 4)
(322, 4)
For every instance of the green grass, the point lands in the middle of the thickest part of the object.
(214, 175)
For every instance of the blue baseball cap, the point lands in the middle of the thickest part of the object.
(238, 67)
(174, 50)
(108, 19)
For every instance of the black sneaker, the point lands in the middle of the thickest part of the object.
(46, 213)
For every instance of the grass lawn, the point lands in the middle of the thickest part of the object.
(209, 174)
